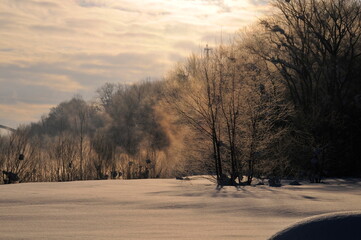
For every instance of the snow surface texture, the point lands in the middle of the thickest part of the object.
(165, 209)
(331, 227)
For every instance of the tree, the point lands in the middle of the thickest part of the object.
(18, 157)
(104, 148)
(193, 91)
(135, 125)
(315, 45)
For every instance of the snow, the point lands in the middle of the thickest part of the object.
(165, 208)
(335, 226)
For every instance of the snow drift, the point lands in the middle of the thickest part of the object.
(334, 226)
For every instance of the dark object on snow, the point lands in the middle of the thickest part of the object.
(330, 227)
(11, 177)
(226, 181)
(181, 178)
(295, 183)
(316, 170)
(21, 157)
(114, 174)
(274, 182)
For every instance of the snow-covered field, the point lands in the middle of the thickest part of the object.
(165, 209)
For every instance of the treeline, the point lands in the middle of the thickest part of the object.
(124, 134)
(282, 100)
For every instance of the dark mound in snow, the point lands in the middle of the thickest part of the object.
(331, 227)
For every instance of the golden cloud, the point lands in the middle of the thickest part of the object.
(76, 46)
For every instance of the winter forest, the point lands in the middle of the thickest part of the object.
(282, 99)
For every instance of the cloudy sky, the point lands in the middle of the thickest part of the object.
(52, 50)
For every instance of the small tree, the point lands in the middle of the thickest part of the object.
(193, 91)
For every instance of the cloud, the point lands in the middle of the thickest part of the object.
(6, 49)
(185, 45)
(55, 81)
(51, 29)
(221, 4)
(20, 87)
(32, 4)
(75, 73)
(21, 113)
(83, 23)
(259, 2)
(90, 3)
(51, 51)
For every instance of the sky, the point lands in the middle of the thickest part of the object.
(51, 50)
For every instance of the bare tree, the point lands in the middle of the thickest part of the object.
(193, 91)
(18, 156)
(315, 45)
